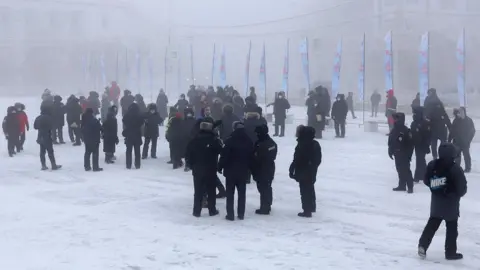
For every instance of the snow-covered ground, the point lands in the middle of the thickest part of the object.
(141, 219)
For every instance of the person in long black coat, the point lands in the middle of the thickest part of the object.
(152, 123)
(416, 102)
(235, 161)
(339, 115)
(11, 129)
(400, 148)
(44, 124)
(253, 120)
(74, 114)
(421, 135)
(93, 102)
(126, 101)
(312, 119)
(448, 185)
(162, 103)
(59, 120)
(133, 122)
(110, 134)
(263, 168)
(238, 105)
(105, 106)
(141, 103)
(217, 108)
(202, 157)
(462, 134)
(280, 107)
(228, 118)
(304, 167)
(440, 123)
(189, 132)
(92, 133)
(175, 138)
(375, 99)
(250, 105)
(350, 104)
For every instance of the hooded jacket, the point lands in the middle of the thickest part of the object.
(421, 132)
(462, 131)
(340, 108)
(400, 139)
(307, 156)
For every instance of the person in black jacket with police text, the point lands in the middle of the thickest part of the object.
(306, 159)
(448, 184)
(421, 135)
(263, 168)
(461, 134)
(400, 148)
(235, 162)
(151, 133)
(202, 158)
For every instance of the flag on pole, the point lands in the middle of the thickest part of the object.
(305, 62)
(213, 63)
(192, 72)
(165, 63)
(139, 69)
(361, 72)
(388, 65)
(461, 69)
(86, 69)
(286, 68)
(127, 71)
(102, 69)
(179, 73)
(150, 72)
(263, 76)
(423, 65)
(223, 71)
(117, 66)
(247, 69)
(337, 66)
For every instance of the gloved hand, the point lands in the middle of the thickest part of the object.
(390, 155)
(291, 175)
(220, 170)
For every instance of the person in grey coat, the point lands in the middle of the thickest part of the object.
(448, 184)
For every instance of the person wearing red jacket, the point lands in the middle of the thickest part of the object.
(24, 125)
(114, 93)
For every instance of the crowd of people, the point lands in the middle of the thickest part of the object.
(213, 131)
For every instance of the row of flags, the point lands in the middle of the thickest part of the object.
(304, 56)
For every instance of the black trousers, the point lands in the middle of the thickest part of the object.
(12, 143)
(466, 156)
(44, 149)
(307, 195)
(405, 178)
(201, 186)
(57, 134)
(219, 185)
(74, 134)
(340, 128)
(21, 141)
(241, 186)
(280, 123)
(146, 144)
(431, 228)
(421, 164)
(91, 150)
(434, 144)
(374, 110)
(128, 155)
(352, 112)
(264, 187)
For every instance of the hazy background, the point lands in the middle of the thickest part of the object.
(45, 43)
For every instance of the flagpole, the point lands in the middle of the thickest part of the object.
(165, 70)
(464, 69)
(116, 69)
(364, 84)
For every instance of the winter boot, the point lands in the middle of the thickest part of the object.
(56, 167)
(241, 217)
(305, 214)
(262, 212)
(399, 189)
(454, 256)
(230, 218)
(422, 252)
(214, 213)
(44, 167)
(98, 169)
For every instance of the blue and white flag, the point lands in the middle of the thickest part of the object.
(337, 67)
(361, 72)
(305, 63)
(213, 64)
(247, 69)
(102, 69)
(461, 69)
(262, 74)
(223, 69)
(286, 68)
(388, 62)
(423, 66)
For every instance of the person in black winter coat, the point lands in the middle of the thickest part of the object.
(92, 133)
(350, 104)
(216, 108)
(47, 100)
(74, 114)
(110, 134)
(339, 115)
(133, 122)
(59, 120)
(448, 184)
(280, 107)
(162, 103)
(141, 104)
(11, 129)
(176, 139)
(416, 102)
(312, 118)
(202, 157)
(181, 104)
(253, 95)
(235, 161)
(462, 133)
(439, 121)
(250, 105)
(44, 124)
(421, 134)
(188, 127)
(238, 105)
(151, 133)
(93, 102)
(375, 99)
(304, 167)
(263, 168)
(253, 120)
(228, 118)
(126, 101)
(400, 148)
